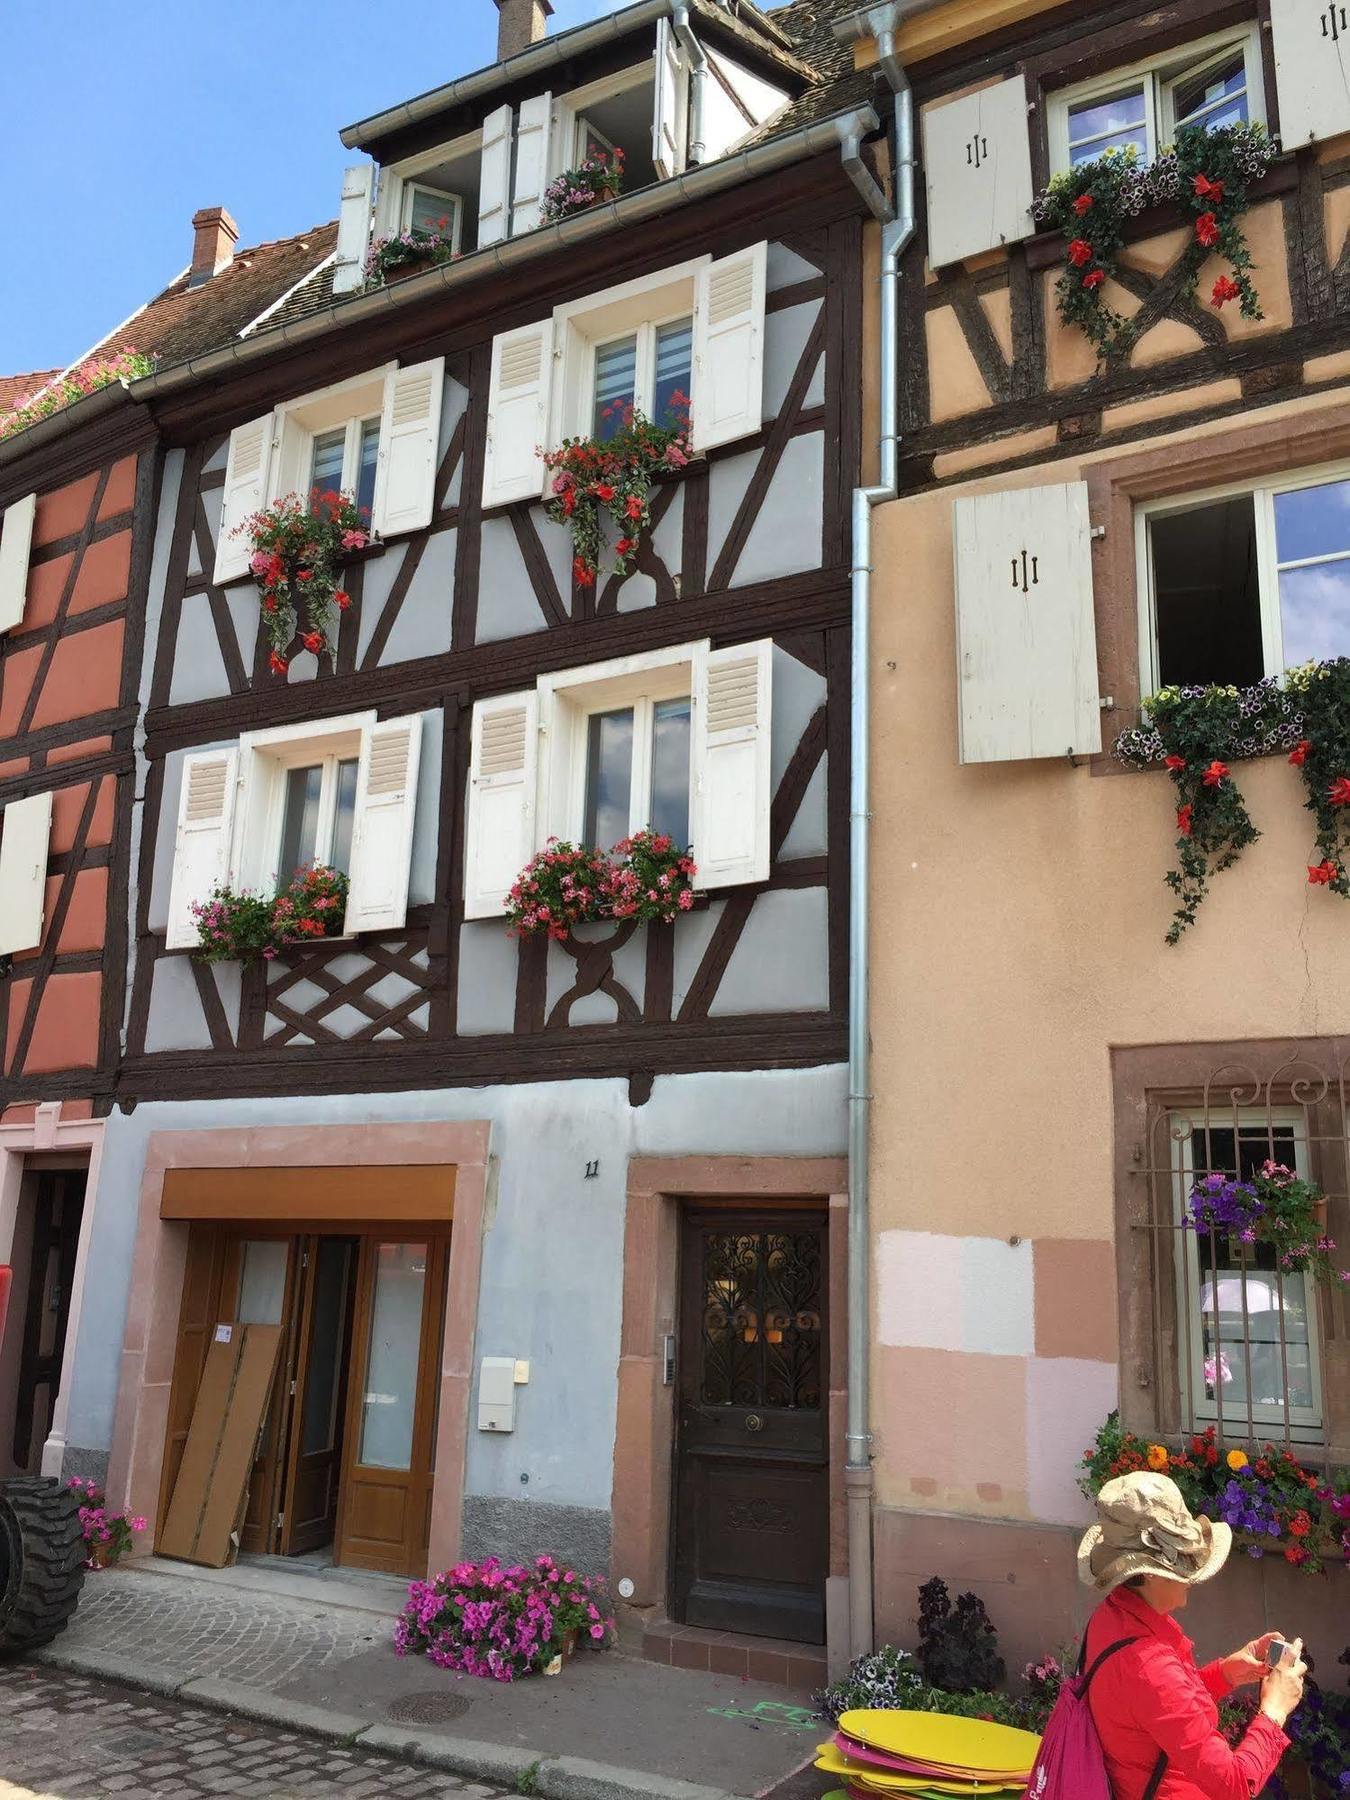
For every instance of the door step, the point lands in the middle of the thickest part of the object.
(773, 1660)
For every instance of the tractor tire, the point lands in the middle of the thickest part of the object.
(42, 1554)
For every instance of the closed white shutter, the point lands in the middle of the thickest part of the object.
(728, 373)
(729, 804)
(672, 95)
(1026, 641)
(353, 237)
(410, 425)
(25, 832)
(16, 541)
(499, 829)
(201, 857)
(977, 160)
(1312, 68)
(518, 397)
(382, 827)
(246, 469)
(533, 131)
(494, 177)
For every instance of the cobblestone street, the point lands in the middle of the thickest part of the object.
(63, 1737)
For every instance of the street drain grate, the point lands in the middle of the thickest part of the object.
(133, 1743)
(428, 1709)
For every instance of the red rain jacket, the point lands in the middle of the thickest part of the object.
(1151, 1697)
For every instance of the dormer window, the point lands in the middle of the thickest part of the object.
(439, 184)
(1214, 83)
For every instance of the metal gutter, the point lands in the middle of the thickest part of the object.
(632, 209)
(56, 425)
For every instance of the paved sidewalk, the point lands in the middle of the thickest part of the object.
(317, 1656)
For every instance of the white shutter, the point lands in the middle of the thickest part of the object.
(410, 426)
(353, 236)
(494, 177)
(1312, 68)
(728, 374)
(382, 829)
(518, 397)
(977, 160)
(16, 540)
(533, 127)
(1026, 640)
(246, 470)
(729, 803)
(201, 857)
(25, 832)
(672, 94)
(499, 829)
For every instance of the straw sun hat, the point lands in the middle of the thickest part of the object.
(1145, 1528)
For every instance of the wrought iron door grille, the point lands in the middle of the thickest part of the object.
(760, 1343)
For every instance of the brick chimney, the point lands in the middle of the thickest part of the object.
(521, 23)
(214, 234)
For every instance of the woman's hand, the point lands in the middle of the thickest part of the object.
(1249, 1663)
(1282, 1688)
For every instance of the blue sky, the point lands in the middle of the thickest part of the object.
(121, 121)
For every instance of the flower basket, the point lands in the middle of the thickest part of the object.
(614, 476)
(410, 252)
(245, 927)
(598, 179)
(648, 878)
(298, 548)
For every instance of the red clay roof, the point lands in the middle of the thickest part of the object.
(15, 389)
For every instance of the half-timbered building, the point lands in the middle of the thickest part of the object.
(1072, 535)
(551, 1232)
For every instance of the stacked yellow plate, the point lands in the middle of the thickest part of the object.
(926, 1756)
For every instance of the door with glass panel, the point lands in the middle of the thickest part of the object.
(317, 1394)
(389, 1448)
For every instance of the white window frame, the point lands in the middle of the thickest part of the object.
(1268, 564)
(351, 450)
(567, 703)
(298, 422)
(390, 210)
(1305, 1425)
(569, 112)
(265, 758)
(644, 366)
(1159, 76)
(451, 204)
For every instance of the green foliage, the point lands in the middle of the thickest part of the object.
(1198, 728)
(958, 1646)
(1321, 692)
(297, 549)
(595, 477)
(241, 926)
(126, 365)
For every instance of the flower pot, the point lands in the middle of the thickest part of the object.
(404, 270)
(101, 1555)
(607, 193)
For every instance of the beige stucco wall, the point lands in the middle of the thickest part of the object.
(1018, 920)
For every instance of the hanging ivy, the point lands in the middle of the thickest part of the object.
(1207, 173)
(1321, 692)
(594, 477)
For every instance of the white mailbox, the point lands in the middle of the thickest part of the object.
(497, 1394)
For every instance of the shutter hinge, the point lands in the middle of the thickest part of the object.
(281, 1520)
(1097, 531)
(292, 1390)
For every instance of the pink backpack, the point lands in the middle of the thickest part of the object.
(1070, 1764)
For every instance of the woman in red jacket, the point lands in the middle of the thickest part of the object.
(1156, 1713)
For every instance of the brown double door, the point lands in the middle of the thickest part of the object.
(346, 1446)
(751, 1542)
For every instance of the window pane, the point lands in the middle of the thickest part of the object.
(326, 1345)
(262, 1281)
(367, 458)
(674, 363)
(670, 769)
(1218, 97)
(609, 778)
(1101, 125)
(326, 468)
(1312, 521)
(1315, 612)
(341, 857)
(300, 821)
(1207, 594)
(388, 1404)
(431, 212)
(615, 385)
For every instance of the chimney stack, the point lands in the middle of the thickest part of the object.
(521, 23)
(214, 234)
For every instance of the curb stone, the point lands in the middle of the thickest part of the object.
(110, 1665)
(457, 1756)
(271, 1709)
(573, 1778)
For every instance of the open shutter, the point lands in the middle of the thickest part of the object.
(382, 830)
(729, 811)
(499, 830)
(410, 424)
(518, 397)
(977, 160)
(494, 181)
(1026, 640)
(728, 374)
(353, 237)
(672, 110)
(246, 469)
(25, 832)
(16, 540)
(1312, 68)
(201, 857)
(533, 132)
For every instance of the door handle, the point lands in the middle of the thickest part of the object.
(753, 1422)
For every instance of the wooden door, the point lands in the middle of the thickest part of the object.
(751, 1550)
(389, 1446)
(58, 1207)
(317, 1414)
(197, 1318)
(259, 1287)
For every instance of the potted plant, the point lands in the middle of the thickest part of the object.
(490, 1620)
(647, 878)
(1275, 1207)
(298, 549)
(409, 252)
(598, 179)
(593, 477)
(239, 926)
(108, 1536)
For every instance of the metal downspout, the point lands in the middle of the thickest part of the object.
(896, 233)
(698, 75)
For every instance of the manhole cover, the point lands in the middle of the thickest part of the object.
(428, 1709)
(133, 1743)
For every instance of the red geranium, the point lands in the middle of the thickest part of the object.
(1207, 229)
(1094, 278)
(1320, 874)
(1082, 204)
(277, 664)
(1215, 773)
(1299, 754)
(1174, 762)
(1208, 190)
(1080, 252)
(1184, 817)
(1225, 288)
(1339, 791)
